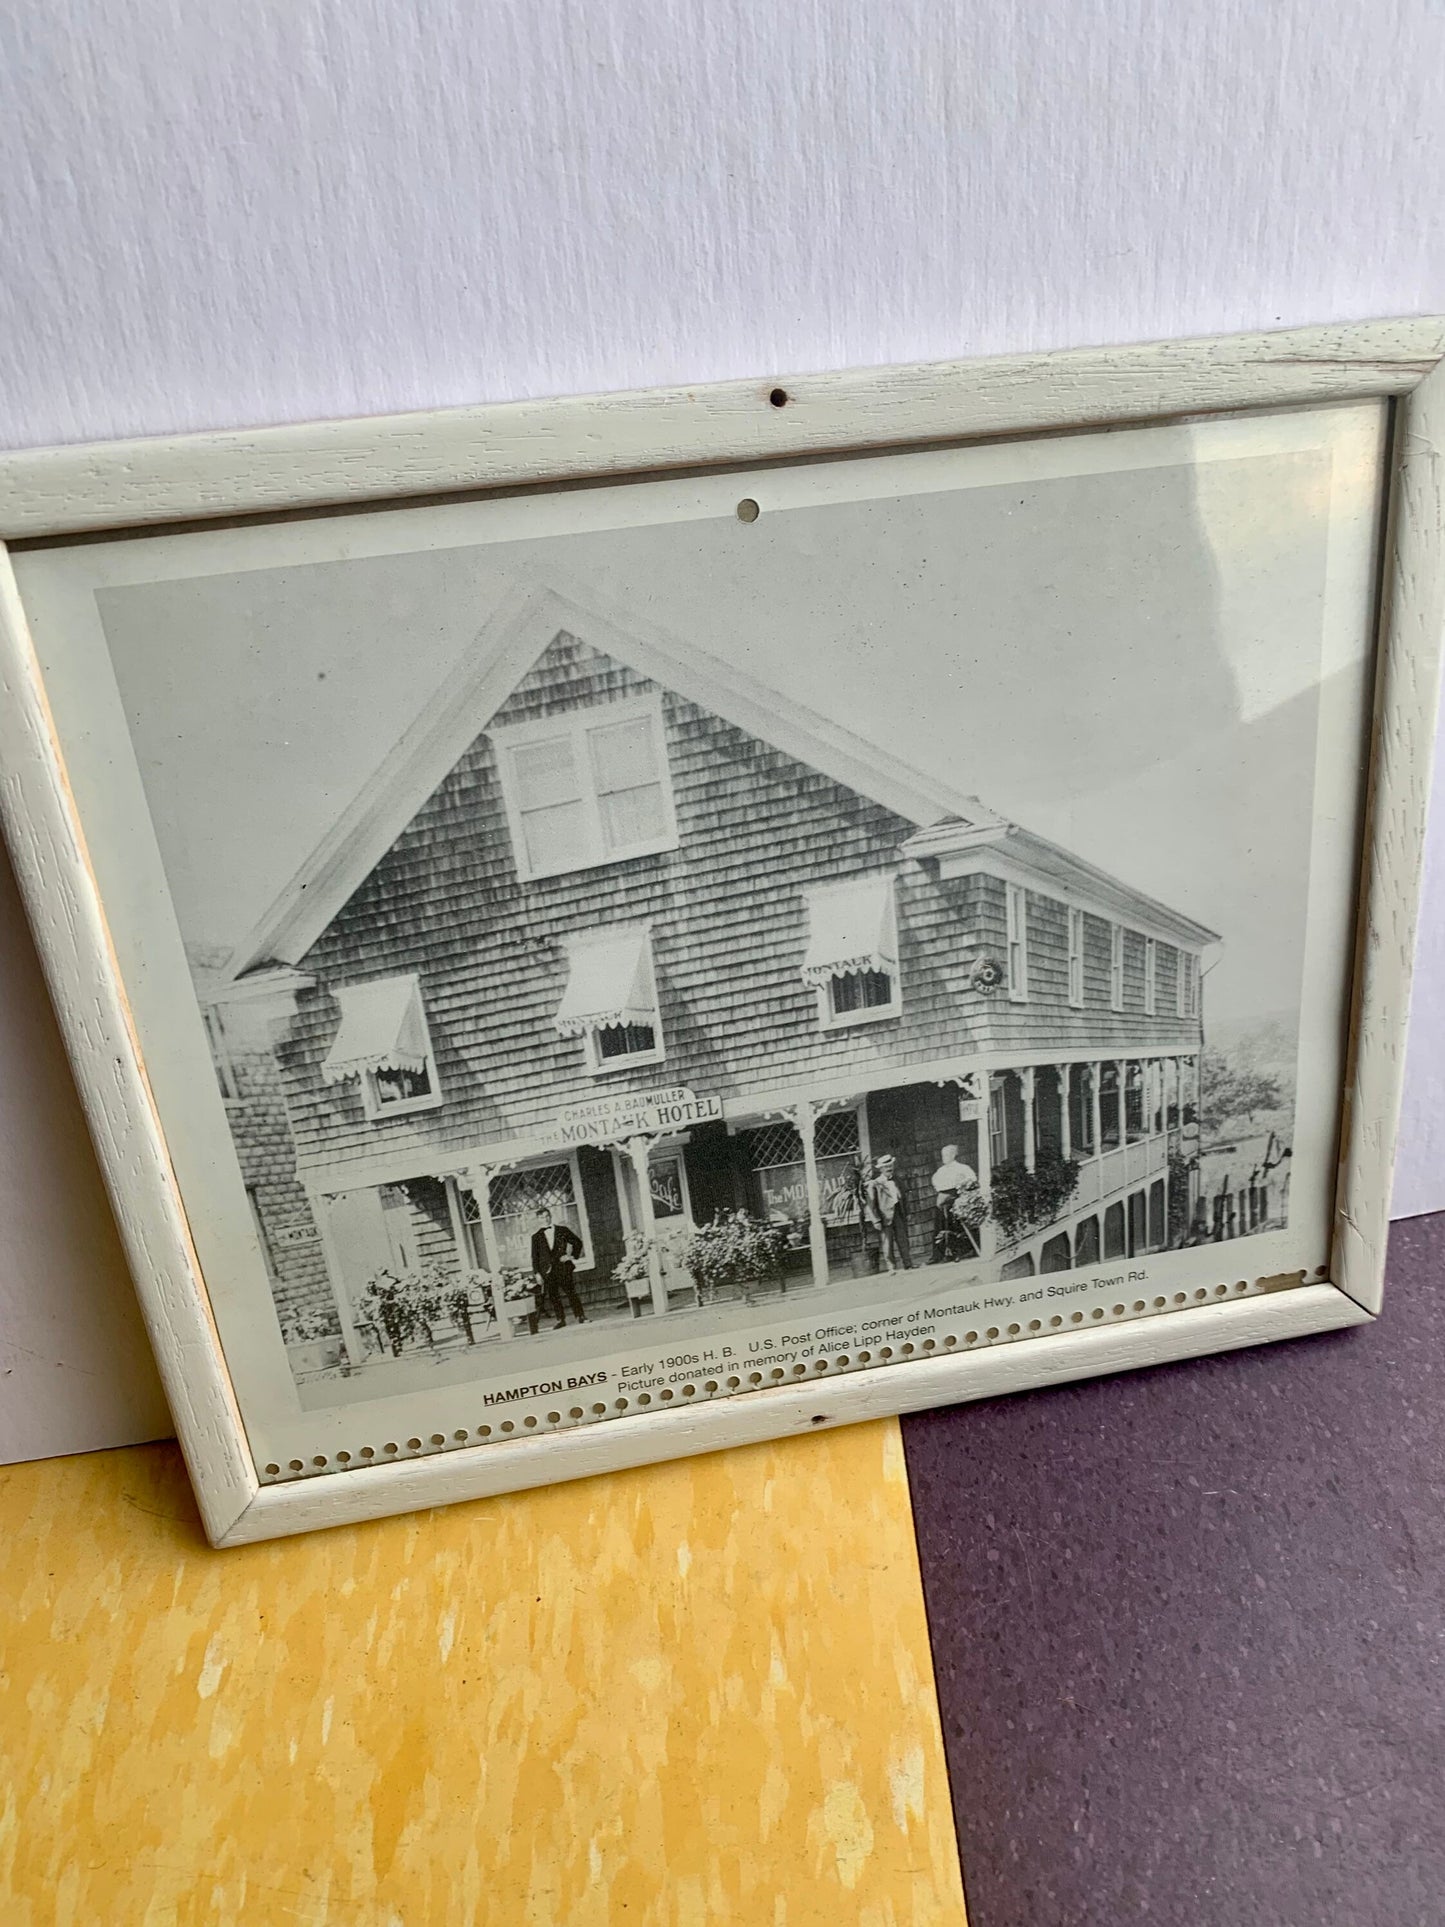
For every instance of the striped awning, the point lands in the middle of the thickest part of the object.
(609, 982)
(850, 927)
(382, 1029)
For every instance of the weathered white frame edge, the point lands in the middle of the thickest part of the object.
(71, 491)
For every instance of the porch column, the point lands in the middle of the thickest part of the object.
(1026, 1088)
(804, 1115)
(321, 1212)
(479, 1176)
(638, 1149)
(1121, 1065)
(458, 1222)
(1096, 1115)
(629, 1229)
(986, 1233)
(1066, 1135)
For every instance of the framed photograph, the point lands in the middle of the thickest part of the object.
(594, 930)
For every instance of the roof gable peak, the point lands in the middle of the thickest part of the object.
(514, 641)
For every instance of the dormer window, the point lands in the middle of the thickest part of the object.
(611, 999)
(852, 955)
(383, 1041)
(587, 787)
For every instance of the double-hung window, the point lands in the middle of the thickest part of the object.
(1116, 966)
(1151, 976)
(1018, 942)
(851, 958)
(1076, 958)
(611, 998)
(383, 1041)
(516, 1198)
(1188, 982)
(587, 787)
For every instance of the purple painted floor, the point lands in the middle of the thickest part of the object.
(1189, 1631)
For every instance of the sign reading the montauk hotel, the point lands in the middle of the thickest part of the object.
(624, 1114)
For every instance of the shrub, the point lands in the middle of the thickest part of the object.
(734, 1252)
(1021, 1199)
(970, 1208)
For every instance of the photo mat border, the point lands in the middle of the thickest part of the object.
(52, 494)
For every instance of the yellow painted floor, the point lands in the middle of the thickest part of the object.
(689, 1694)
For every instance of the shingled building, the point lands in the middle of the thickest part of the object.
(618, 931)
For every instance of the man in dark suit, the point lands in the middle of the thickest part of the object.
(554, 1246)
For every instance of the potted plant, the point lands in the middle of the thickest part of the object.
(468, 1298)
(314, 1344)
(634, 1273)
(403, 1306)
(735, 1254)
(519, 1293)
(386, 1304)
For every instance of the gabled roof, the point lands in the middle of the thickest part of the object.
(515, 638)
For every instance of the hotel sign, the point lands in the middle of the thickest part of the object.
(624, 1114)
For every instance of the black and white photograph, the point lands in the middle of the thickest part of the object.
(754, 905)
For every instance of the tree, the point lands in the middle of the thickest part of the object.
(1228, 1090)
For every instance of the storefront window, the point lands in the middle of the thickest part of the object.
(776, 1156)
(516, 1199)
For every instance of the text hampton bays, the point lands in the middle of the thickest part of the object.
(635, 1114)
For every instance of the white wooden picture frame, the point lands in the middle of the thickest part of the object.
(53, 501)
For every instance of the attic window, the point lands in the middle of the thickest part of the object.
(852, 955)
(611, 1000)
(587, 787)
(383, 1041)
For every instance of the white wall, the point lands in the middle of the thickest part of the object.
(216, 214)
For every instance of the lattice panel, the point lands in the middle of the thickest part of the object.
(836, 1134)
(518, 1194)
(774, 1144)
